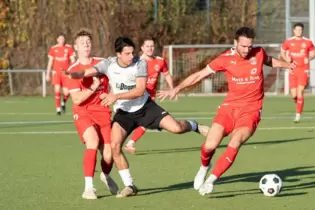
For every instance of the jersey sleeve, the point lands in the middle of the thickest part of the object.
(142, 69)
(71, 52)
(102, 67)
(164, 67)
(310, 46)
(264, 54)
(285, 45)
(51, 53)
(216, 65)
(73, 85)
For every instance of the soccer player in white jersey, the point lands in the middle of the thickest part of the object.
(128, 78)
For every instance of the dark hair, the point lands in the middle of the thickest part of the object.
(298, 25)
(60, 34)
(122, 42)
(83, 32)
(245, 32)
(147, 38)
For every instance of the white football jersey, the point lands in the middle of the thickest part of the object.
(123, 79)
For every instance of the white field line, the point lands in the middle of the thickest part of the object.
(150, 131)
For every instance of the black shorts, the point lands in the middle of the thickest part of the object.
(149, 116)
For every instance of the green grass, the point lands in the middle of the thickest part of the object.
(44, 171)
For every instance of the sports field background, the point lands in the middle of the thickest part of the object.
(41, 160)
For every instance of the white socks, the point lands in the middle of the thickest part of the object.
(88, 183)
(126, 177)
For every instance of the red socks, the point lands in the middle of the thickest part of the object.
(137, 134)
(225, 161)
(65, 98)
(299, 105)
(57, 99)
(206, 156)
(106, 167)
(89, 162)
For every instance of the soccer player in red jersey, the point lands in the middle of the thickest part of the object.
(156, 65)
(60, 58)
(92, 120)
(300, 50)
(240, 112)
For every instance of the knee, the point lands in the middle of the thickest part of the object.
(115, 148)
(240, 138)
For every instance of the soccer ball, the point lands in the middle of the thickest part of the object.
(270, 185)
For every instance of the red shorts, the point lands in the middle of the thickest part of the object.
(233, 118)
(58, 78)
(298, 77)
(100, 120)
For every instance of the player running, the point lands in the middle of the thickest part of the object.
(93, 121)
(156, 65)
(60, 58)
(240, 112)
(300, 50)
(133, 106)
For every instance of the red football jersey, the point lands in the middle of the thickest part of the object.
(298, 50)
(155, 67)
(61, 56)
(244, 75)
(94, 101)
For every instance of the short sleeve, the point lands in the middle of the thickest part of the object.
(73, 85)
(310, 46)
(102, 67)
(264, 54)
(51, 53)
(142, 69)
(216, 65)
(285, 45)
(164, 67)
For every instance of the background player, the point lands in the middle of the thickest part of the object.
(156, 65)
(300, 50)
(128, 78)
(93, 121)
(60, 58)
(240, 112)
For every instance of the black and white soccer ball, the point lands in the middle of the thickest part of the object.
(270, 185)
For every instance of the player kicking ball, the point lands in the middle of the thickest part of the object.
(299, 50)
(92, 120)
(156, 65)
(133, 106)
(240, 112)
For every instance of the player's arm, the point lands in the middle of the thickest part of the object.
(194, 79)
(277, 63)
(283, 52)
(169, 80)
(141, 82)
(49, 67)
(98, 69)
(78, 96)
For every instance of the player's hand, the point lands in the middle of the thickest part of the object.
(75, 74)
(96, 82)
(172, 94)
(108, 99)
(48, 78)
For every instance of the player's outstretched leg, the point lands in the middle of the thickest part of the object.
(208, 148)
(106, 165)
(299, 103)
(183, 126)
(136, 135)
(89, 161)
(239, 137)
(118, 136)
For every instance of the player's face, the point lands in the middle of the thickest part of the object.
(298, 31)
(83, 45)
(126, 56)
(148, 48)
(243, 46)
(61, 40)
